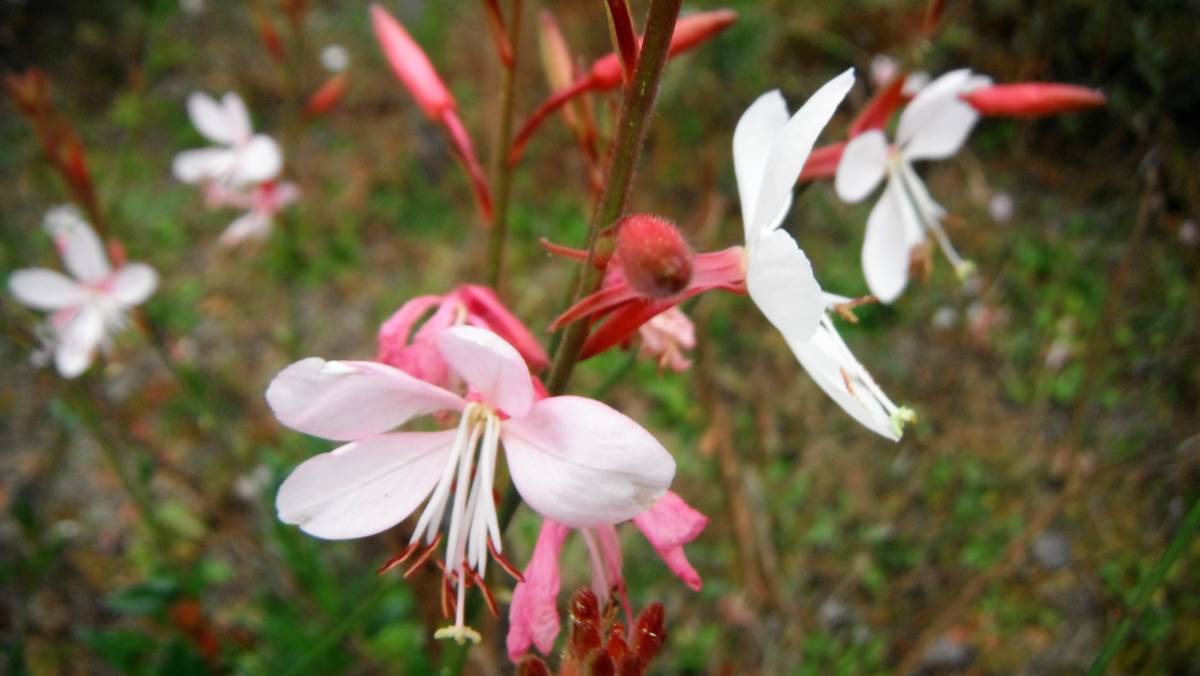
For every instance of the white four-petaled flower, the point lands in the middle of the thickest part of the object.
(89, 308)
(572, 459)
(933, 126)
(240, 157)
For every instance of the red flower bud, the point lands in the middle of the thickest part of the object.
(654, 257)
(823, 162)
(410, 64)
(879, 109)
(649, 632)
(499, 36)
(1033, 99)
(269, 36)
(327, 95)
(695, 29)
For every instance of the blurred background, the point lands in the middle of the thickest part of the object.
(1055, 457)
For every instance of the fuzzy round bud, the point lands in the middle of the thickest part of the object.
(655, 259)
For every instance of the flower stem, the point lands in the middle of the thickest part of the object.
(501, 168)
(631, 131)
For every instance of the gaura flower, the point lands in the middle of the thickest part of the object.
(533, 616)
(263, 203)
(416, 353)
(934, 125)
(89, 308)
(666, 338)
(572, 459)
(240, 157)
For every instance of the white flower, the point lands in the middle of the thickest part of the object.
(90, 307)
(335, 58)
(769, 150)
(933, 126)
(262, 204)
(240, 157)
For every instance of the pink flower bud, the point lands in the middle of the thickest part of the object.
(327, 95)
(654, 257)
(823, 162)
(410, 64)
(695, 29)
(1033, 99)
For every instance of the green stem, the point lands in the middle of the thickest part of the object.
(501, 169)
(1179, 543)
(631, 131)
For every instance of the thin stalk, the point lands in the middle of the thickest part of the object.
(636, 109)
(335, 635)
(1179, 543)
(502, 170)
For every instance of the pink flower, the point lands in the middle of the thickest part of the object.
(417, 353)
(90, 307)
(572, 459)
(240, 157)
(666, 337)
(264, 202)
(533, 615)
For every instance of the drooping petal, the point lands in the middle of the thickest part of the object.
(579, 462)
(77, 342)
(781, 283)
(248, 226)
(133, 284)
(668, 525)
(533, 613)
(237, 117)
(885, 252)
(348, 400)
(81, 249)
(395, 332)
(259, 160)
(863, 165)
(941, 121)
(364, 487)
(488, 311)
(43, 289)
(790, 151)
(203, 164)
(489, 365)
(211, 119)
(752, 139)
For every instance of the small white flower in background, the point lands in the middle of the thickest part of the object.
(667, 337)
(883, 69)
(933, 126)
(945, 318)
(88, 309)
(1189, 233)
(193, 6)
(914, 83)
(1001, 207)
(335, 58)
(240, 157)
(263, 203)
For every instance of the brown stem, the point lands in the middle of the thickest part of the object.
(501, 168)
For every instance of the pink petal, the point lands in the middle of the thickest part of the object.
(668, 526)
(489, 365)
(579, 462)
(133, 284)
(486, 310)
(252, 225)
(395, 332)
(348, 400)
(533, 613)
(364, 487)
(43, 289)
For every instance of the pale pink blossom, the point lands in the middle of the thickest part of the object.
(240, 157)
(572, 459)
(667, 337)
(262, 202)
(89, 308)
(533, 616)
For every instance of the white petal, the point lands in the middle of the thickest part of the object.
(44, 289)
(831, 364)
(752, 139)
(790, 151)
(937, 122)
(77, 342)
(781, 282)
(211, 119)
(347, 400)
(365, 486)
(238, 117)
(489, 365)
(134, 283)
(864, 162)
(250, 225)
(81, 249)
(204, 164)
(583, 464)
(885, 252)
(259, 160)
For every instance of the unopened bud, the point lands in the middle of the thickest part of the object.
(690, 31)
(532, 665)
(410, 64)
(1033, 99)
(584, 635)
(654, 257)
(269, 36)
(649, 632)
(327, 96)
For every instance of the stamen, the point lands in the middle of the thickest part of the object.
(477, 580)
(505, 563)
(423, 557)
(397, 559)
(846, 379)
(447, 597)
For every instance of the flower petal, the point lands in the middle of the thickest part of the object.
(863, 165)
(364, 487)
(77, 342)
(790, 150)
(133, 284)
(886, 245)
(348, 400)
(489, 365)
(43, 289)
(211, 119)
(203, 164)
(533, 613)
(579, 462)
(752, 140)
(237, 117)
(781, 282)
(259, 160)
(937, 122)
(668, 526)
(81, 249)
(250, 225)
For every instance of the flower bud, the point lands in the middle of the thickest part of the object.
(410, 64)
(327, 95)
(1033, 99)
(654, 257)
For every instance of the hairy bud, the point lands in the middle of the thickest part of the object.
(654, 257)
